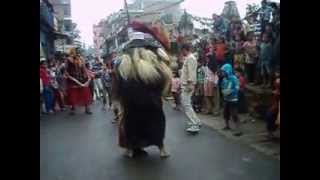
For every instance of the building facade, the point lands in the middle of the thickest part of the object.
(111, 34)
(98, 38)
(47, 29)
(62, 10)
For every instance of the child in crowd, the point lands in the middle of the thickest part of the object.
(175, 90)
(272, 112)
(238, 57)
(251, 54)
(269, 30)
(57, 83)
(220, 49)
(230, 89)
(242, 104)
(62, 81)
(91, 74)
(47, 93)
(55, 88)
(265, 59)
(209, 79)
(198, 94)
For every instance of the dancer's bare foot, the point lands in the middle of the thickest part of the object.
(129, 153)
(164, 153)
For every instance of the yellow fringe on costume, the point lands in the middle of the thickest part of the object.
(143, 64)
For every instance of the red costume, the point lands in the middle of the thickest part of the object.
(77, 94)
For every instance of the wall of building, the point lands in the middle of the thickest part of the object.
(47, 28)
(62, 9)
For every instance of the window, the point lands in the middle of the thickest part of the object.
(67, 10)
(65, 1)
(67, 26)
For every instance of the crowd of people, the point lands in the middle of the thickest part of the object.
(238, 53)
(211, 74)
(71, 81)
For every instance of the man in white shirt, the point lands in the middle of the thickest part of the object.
(188, 81)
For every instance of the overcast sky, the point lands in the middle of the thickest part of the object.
(88, 12)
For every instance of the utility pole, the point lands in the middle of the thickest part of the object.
(128, 16)
(127, 10)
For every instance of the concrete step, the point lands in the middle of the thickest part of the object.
(258, 99)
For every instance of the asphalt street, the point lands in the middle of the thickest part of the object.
(84, 147)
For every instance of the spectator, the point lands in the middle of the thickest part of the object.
(272, 112)
(91, 74)
(251, 54)
(188, 81)
(58, 98)
(265, 59)
(265, 14)
(209, 80)
(270, 31)
(61, 79)
(255, 26)
(238, 57)
(176, 90)
(107, 83)
(220, 51)
(230, 89)
(198, 94)
(48, 95)
(242, 105)
(97, 67)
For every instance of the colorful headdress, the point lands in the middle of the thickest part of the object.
(155, 30)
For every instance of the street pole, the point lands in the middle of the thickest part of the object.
(128, 16)
(127, 10)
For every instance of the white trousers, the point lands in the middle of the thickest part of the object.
(98, 87)
(186, 103)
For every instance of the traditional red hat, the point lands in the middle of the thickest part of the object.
(156, 30)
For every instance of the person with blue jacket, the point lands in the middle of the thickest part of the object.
(230, 89)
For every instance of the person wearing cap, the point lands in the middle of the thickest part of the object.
(142, 78)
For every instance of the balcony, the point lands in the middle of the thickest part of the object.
(46, 14)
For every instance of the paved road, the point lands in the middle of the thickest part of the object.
(84, 147)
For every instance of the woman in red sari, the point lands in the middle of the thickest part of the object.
(78, 81)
